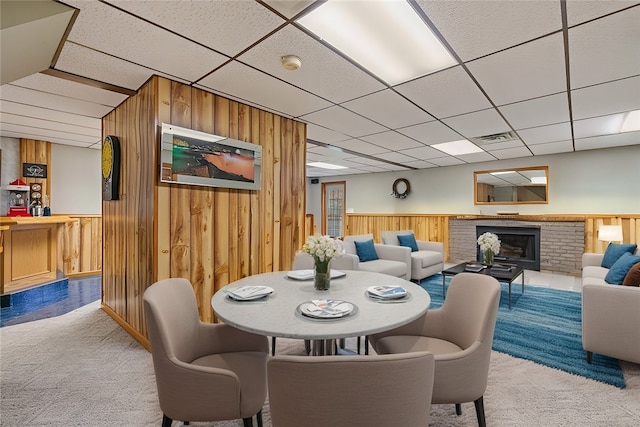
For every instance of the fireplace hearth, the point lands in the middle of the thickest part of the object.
(518, 245)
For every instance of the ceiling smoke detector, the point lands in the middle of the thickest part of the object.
(291, 62)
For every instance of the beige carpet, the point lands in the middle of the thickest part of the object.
(82, 369)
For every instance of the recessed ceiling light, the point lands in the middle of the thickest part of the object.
(387, 38)
(326, 165)
(631, 122)
(457, 148)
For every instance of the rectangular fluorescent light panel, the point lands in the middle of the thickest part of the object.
(457, 148)
(502, 172)
(631, 122)
(539, 180)
(326, 165)
(387, 38)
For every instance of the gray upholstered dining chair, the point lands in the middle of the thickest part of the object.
(460, 336)
(392, 390)
(204, 371)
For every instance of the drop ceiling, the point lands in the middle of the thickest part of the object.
(556, 76)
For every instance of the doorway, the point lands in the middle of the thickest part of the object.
(333, 208)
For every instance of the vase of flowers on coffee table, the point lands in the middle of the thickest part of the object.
(489, 246)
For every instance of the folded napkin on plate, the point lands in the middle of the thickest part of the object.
(249, 292)
(329, 307)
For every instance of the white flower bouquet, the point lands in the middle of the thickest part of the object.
(489, 242)
(321, 248)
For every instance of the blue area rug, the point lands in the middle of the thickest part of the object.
(545, 327)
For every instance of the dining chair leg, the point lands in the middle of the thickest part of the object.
(358, 343)
(166, 421)
(458, 409)
(259, 418)
(273, 346)
(479, 402)
(366, 345)
(247, 422)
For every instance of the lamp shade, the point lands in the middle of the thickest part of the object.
(610, 233)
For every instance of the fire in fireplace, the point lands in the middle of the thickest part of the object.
(518, 245)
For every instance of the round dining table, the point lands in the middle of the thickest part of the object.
(280, 314)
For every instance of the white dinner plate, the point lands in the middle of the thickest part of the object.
(248, 293)
(326, 309)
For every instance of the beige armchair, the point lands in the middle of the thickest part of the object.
(392, 260)
(204, 371)
(392, 390)
(426, 261)
(460, 336)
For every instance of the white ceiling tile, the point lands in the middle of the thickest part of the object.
(323, 71)
(528, 71)
(424, 153)
(111, 31)
(344, 121)
(105, 68)
(446, 161)
(392, 141)
(598, 126)
(322, 134)
(394, 156)
(77, 131)
(545, 134)
(289, 8)
(258, 88)
(361, 147)
(49, 134)
(431, 133)
(44, 100)
(476, 157)
(606, 49)
(537, 112)
(420, 164)
(56, 116)
(607, 98)
(579, 11)
(511, 153)
(389, 109)
(215, 26)
(608, 141)
(476, 28)
(69, 89)
(552, 148)
(446, 93)
(476, 124)
(500, 145)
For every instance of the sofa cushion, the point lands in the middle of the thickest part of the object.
(385, 266)
(619, 269)
(633, 276)
(426, 258)
(408, 240)
(615, 251)
(366, 250)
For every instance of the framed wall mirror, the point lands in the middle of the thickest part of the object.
(528, 185)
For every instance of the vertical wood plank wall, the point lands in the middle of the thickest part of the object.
(34, 151)
(436, 227)
(211, 236)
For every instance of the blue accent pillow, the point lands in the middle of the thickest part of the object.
(615, 251)
(620, 268)
(408, 240)
(366, 251)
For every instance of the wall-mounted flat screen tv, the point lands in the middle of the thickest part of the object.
(198, 158)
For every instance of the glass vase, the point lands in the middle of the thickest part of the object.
(322, 275)
(488, 258)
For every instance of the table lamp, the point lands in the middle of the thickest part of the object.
(610, 233)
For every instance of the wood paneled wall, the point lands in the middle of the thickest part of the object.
(211, 236)
(34, 151)
(80, 245)
(436, 227)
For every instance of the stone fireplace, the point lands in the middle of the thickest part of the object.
(561, 241)
(518, 245)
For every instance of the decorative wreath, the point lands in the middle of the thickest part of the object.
(405, 193)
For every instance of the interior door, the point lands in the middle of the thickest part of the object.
(333, 208)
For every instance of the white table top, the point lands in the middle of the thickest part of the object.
(277, 315)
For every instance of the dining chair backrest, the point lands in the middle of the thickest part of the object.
(392, 390)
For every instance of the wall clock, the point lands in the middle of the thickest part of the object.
(110, 168)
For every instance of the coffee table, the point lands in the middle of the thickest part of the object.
(501, 275)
